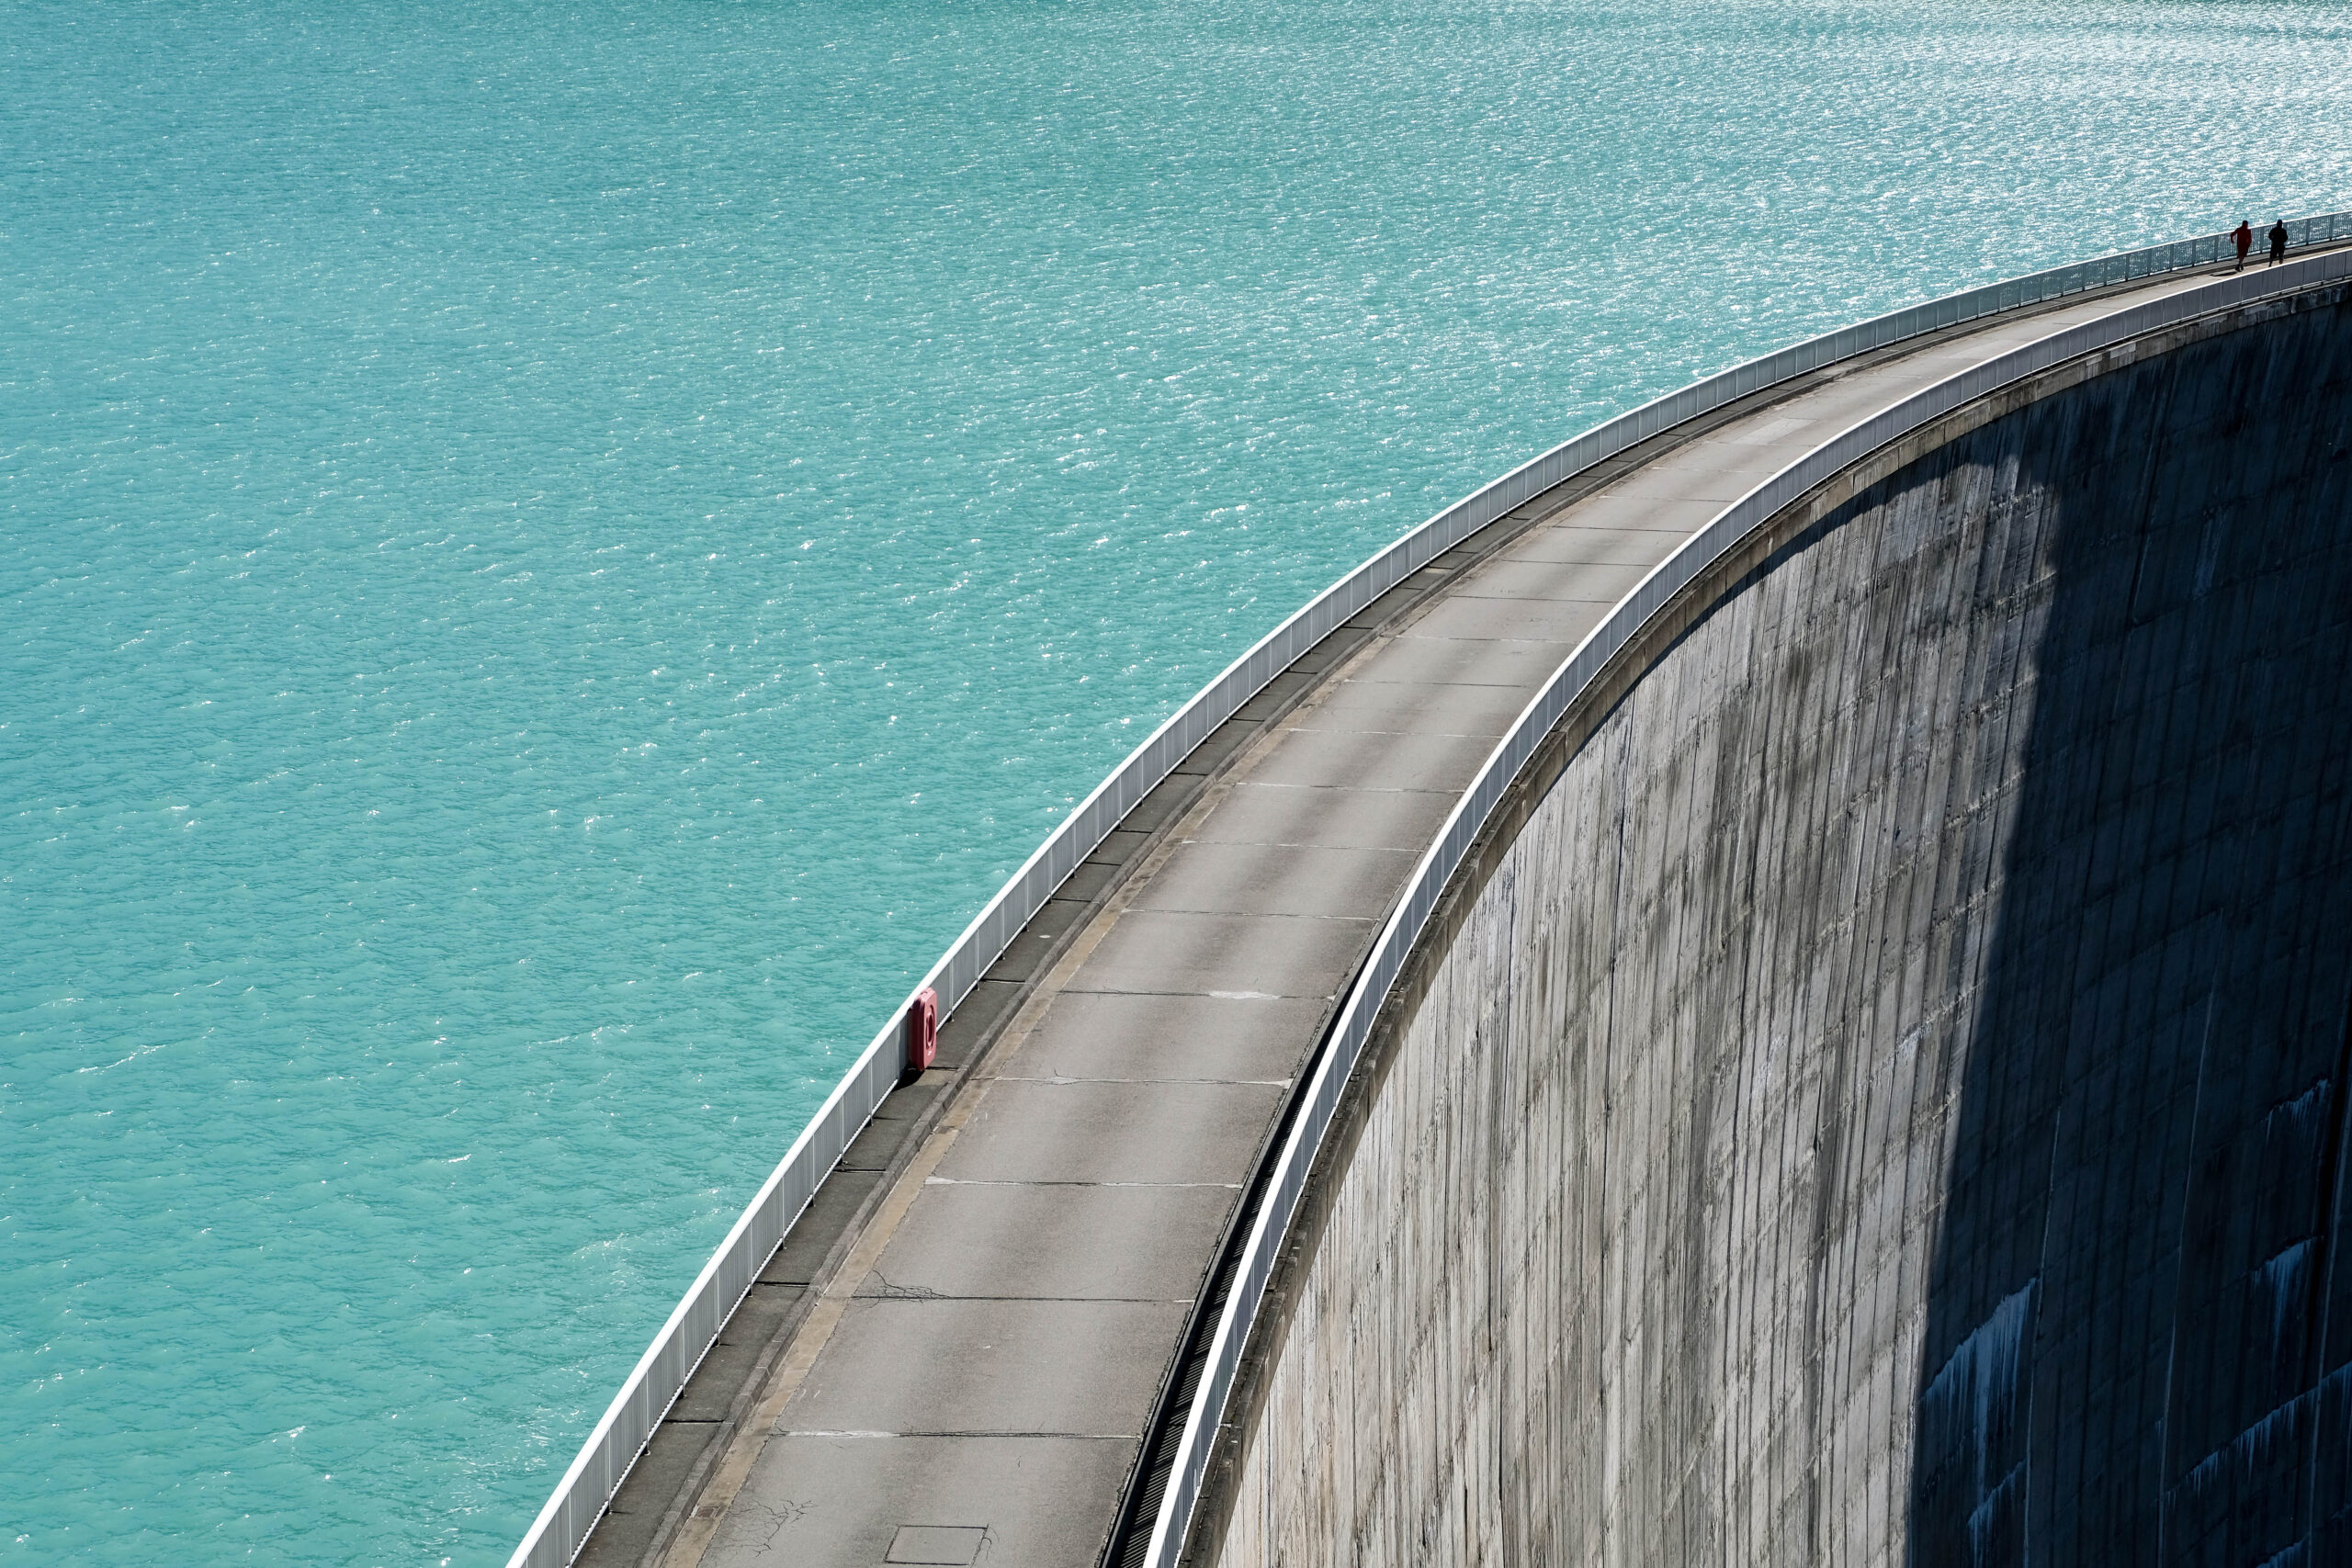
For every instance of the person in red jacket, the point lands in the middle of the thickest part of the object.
(2244, 235)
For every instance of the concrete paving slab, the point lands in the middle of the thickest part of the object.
(1032, 1130)
(1114, 1037)
(805, 1245)
(1400, 708)
(876, 1145)
(1273, 956)
(1343, 819)
(975, 1018)
(911, 1102)
(1209, 756)
(1503, 620)
(1583, 581)
(1336, 649)
(1744, 456)
(1660, 482)
(840, 1502)
(628, 1528)
(1578, 536)
(1769, 430)
(1274, 696)
(1034, 948)
(1341, 759)
(748, 1334)
(1166, 802)
(1090, 881)
(1614, 514)
(1456, 661)
(1120, 846)
(950, 1366)
(1063, 1242)
(1280, 879)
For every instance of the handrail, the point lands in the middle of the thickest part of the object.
(612, 1445)
(1365, 998)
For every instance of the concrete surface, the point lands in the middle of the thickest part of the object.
(981, 1335)
(1888, 1103)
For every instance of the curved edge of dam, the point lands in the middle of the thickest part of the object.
(983, 1293)
(1872, 1087)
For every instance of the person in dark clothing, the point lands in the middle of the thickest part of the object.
(2244, 235)
(2278, 242)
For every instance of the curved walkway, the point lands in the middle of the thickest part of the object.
(973, 1377)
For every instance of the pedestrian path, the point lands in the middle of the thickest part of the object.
(985, 1349)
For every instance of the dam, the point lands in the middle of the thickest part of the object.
(1772, 988)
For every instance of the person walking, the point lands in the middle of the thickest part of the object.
(2278, 242)
(2244, 235)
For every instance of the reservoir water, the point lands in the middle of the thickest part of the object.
(555, 554)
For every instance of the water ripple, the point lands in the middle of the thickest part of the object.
(554, 555)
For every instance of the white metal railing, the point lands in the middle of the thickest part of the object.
(612, 1446)
(1358, 1012)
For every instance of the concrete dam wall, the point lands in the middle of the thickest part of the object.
(1886, 1102)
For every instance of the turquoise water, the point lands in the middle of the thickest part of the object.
(554, 555)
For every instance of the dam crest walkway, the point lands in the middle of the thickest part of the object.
(958, 1353)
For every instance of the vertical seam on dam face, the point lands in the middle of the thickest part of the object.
(2113, 617)
(1002, 1350)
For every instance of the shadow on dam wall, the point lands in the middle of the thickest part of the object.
(1886, 1104)
(2139, 1317)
